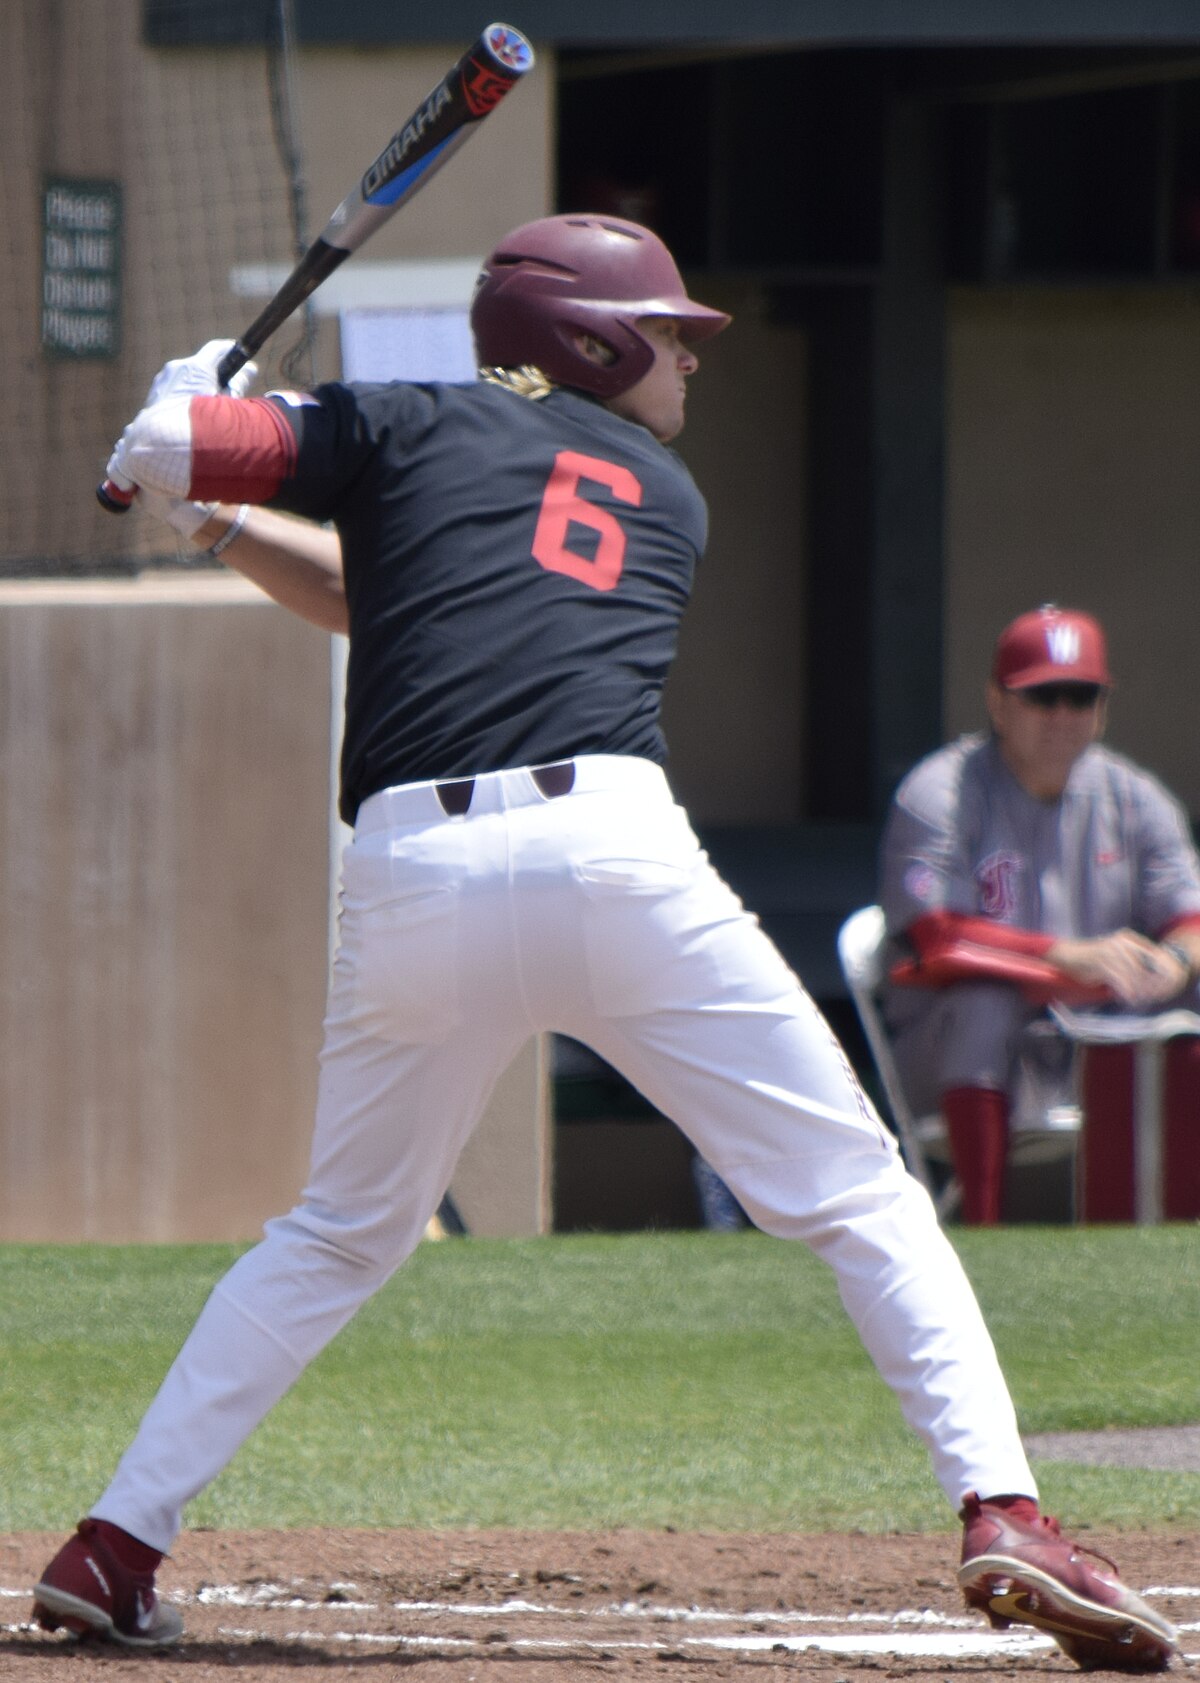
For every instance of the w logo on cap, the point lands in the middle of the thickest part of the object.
(1048, 645)
(1062, 644)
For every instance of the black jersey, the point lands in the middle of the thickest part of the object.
(515, 572)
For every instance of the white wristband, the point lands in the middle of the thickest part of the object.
(231, 531)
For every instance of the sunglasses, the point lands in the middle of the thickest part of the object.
(1078, 696)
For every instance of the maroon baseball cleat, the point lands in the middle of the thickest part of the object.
(1026, 1572)
(87, 1590)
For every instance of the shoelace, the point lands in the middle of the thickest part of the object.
(1055, 1530)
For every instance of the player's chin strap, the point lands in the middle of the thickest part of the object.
(527, 381)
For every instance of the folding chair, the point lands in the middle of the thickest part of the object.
(1041, 1133)
(860, 951)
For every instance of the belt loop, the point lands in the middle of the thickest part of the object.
(555, 780)
(455, 798)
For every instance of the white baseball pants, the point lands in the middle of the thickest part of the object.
(594, 914)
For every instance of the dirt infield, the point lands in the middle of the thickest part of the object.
(520, 1607)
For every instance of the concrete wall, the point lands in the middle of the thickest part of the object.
(1073, 437)
(163, 920)
(734, 710)
(503, 1185)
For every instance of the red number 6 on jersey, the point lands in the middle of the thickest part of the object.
(562, 505)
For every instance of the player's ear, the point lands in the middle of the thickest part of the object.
(994, 700)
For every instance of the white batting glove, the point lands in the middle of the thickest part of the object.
(196, 375)
(177, 381)
(183, 517)
(155, 450)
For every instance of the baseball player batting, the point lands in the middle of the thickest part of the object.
(518, 553)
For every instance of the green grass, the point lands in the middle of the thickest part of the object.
(696, 1380)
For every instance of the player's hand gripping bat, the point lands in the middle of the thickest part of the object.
(434, 132)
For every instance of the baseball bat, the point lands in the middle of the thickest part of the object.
(473, 86)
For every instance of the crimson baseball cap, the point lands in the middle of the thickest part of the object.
(1051, 646)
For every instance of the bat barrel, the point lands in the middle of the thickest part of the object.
(437, 128)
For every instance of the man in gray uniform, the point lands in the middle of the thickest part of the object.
(1025, 865)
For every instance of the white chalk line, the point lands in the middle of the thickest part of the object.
(940, 1637)
(929, 1646)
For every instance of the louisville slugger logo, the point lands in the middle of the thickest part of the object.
(391, 160)
(482, 88)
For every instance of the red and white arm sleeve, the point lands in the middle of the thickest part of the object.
(209, 449)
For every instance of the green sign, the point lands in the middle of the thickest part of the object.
(81, 268)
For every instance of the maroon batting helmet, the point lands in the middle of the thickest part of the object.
(549, 280)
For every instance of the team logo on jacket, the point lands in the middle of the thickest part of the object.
(920, 880)
(997, 877)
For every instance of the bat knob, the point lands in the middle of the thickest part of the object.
(113, 498)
